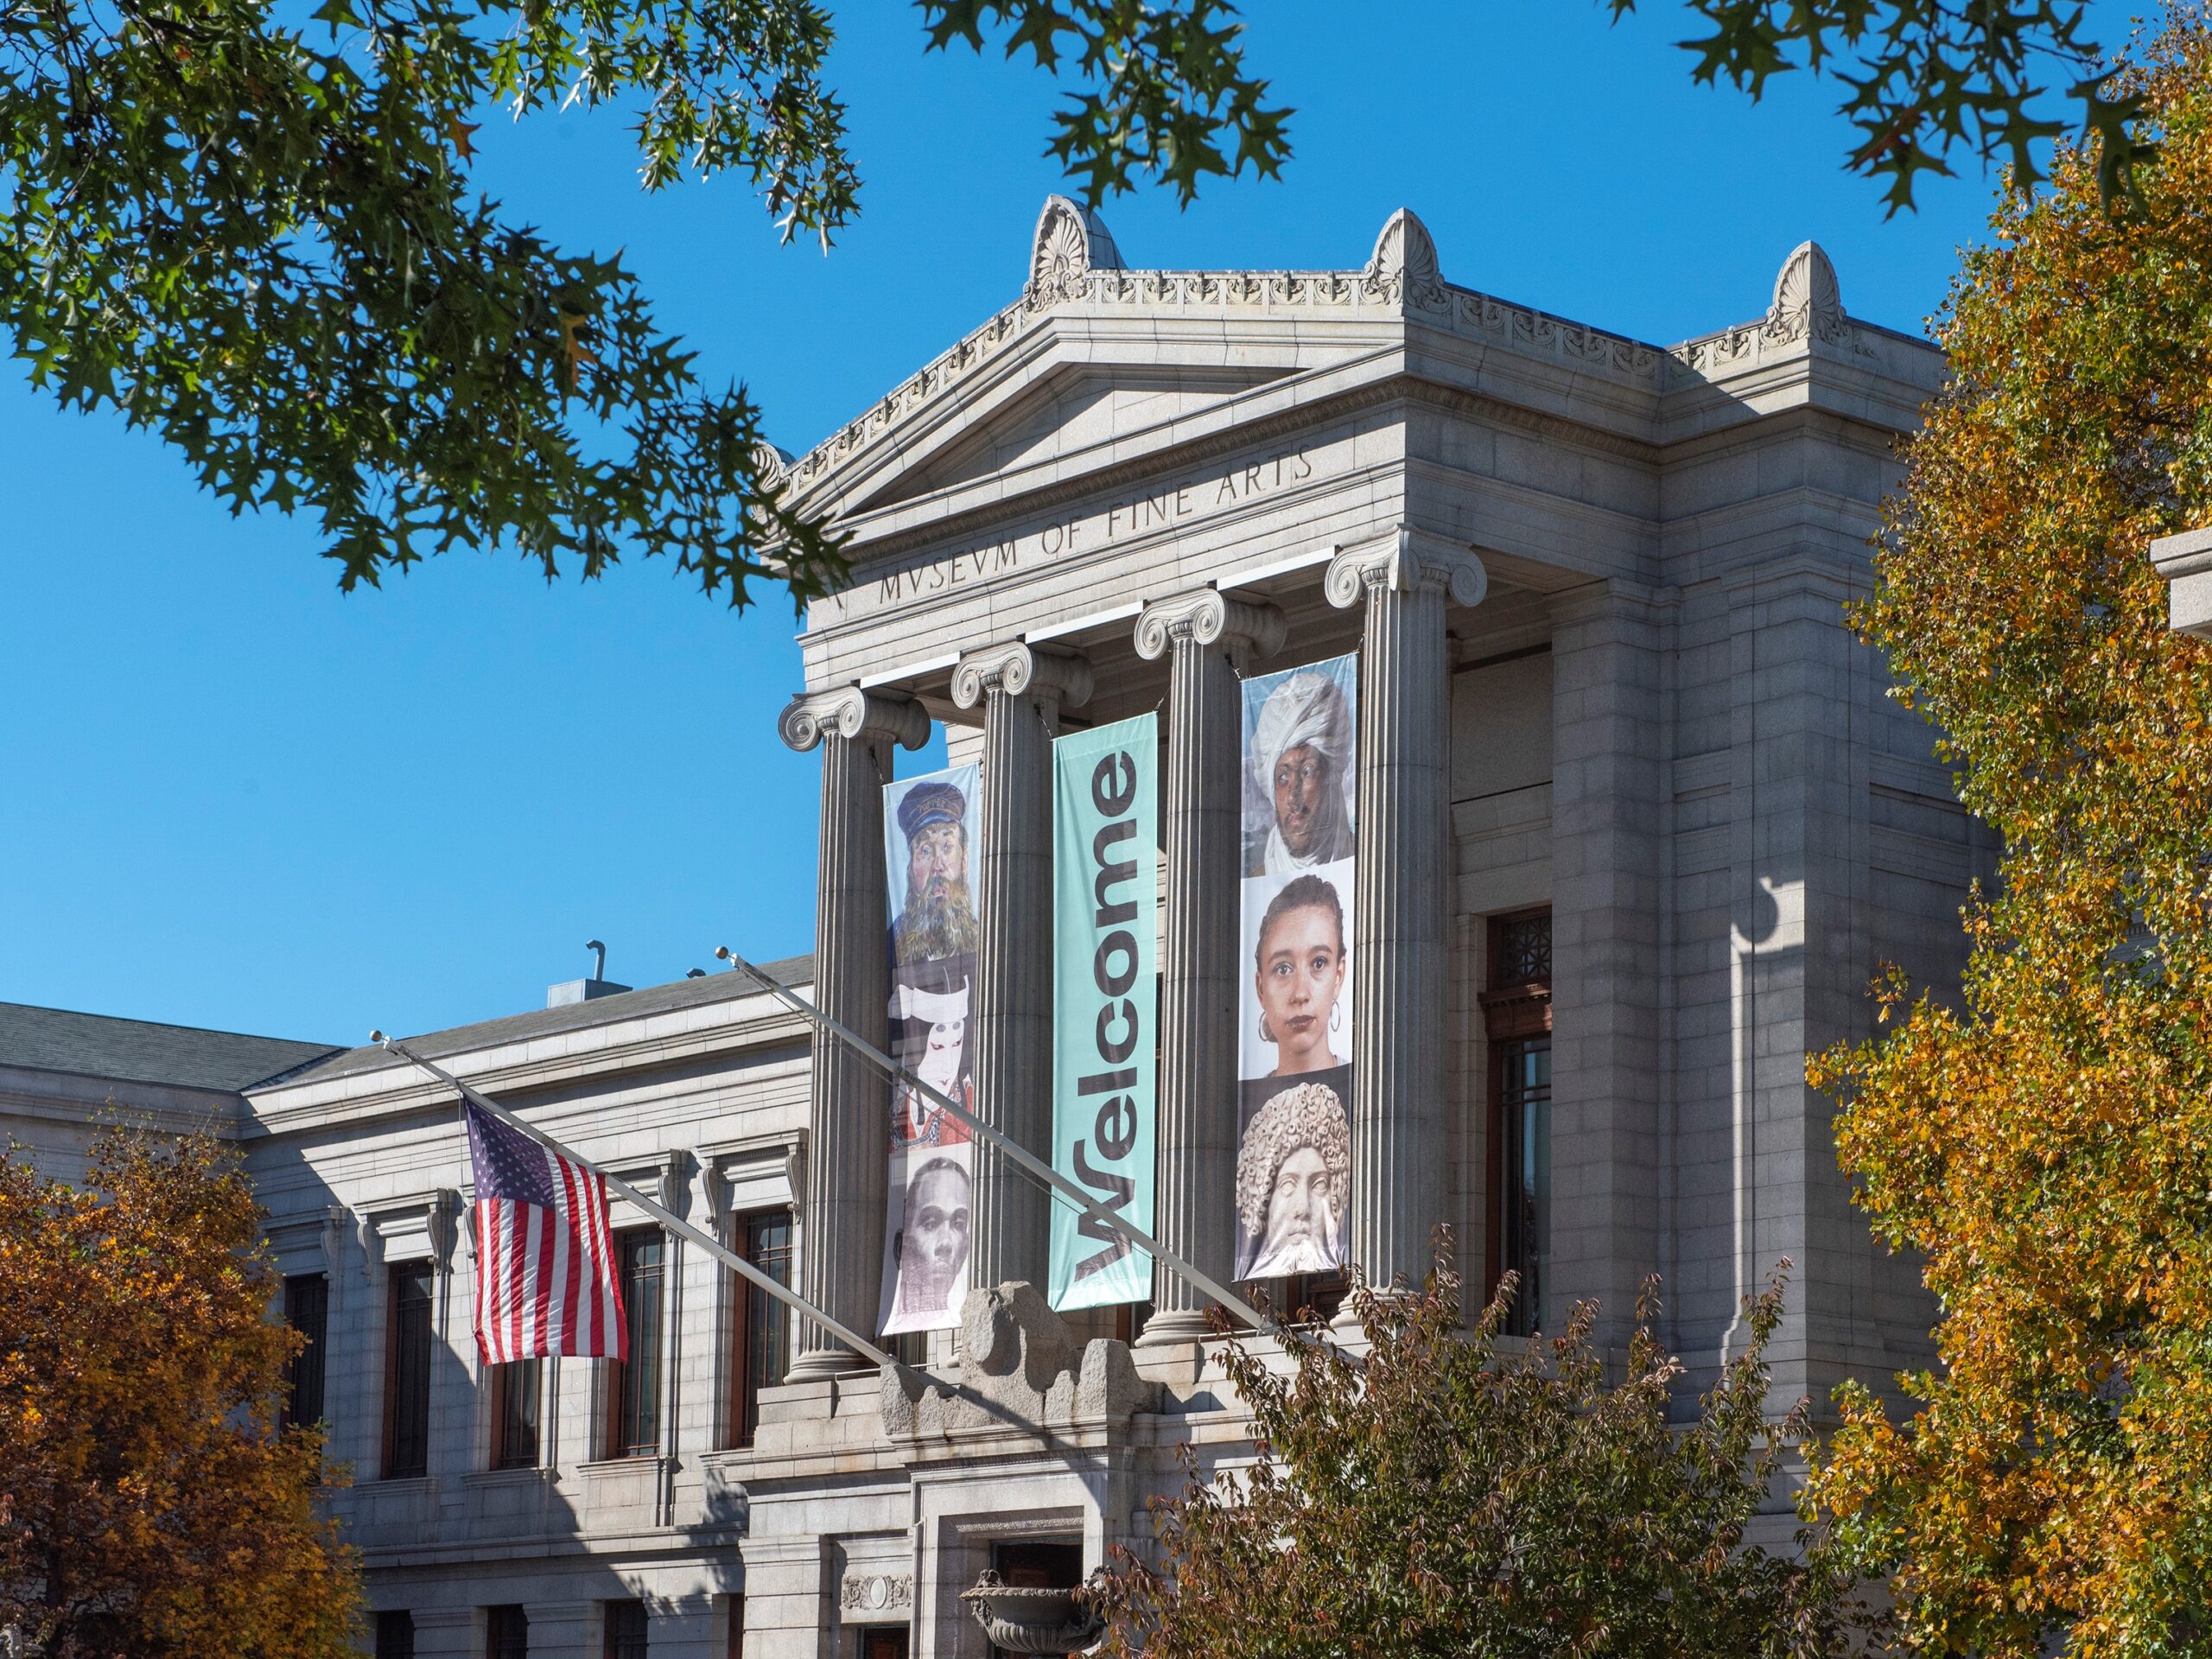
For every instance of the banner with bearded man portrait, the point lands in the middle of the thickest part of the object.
(930, 852)
(1294, 1108)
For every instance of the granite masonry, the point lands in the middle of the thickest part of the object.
(1637, 827)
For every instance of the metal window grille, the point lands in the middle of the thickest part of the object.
(306, 1310)
(506, 1633)
(625, 1630)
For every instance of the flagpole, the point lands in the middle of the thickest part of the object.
(1014, 1151)
(668, 1219)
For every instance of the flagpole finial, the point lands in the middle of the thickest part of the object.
(722, 953)
(378, 1037)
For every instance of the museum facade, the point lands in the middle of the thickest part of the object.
(1505, 658)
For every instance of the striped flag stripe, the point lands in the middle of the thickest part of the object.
(546, 1273)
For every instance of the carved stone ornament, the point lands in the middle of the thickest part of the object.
(1072, 258)
(1020, 670)
(1808, 300)
(1405, 561)
(1023, 1620)
(1403, 267)
(850, 712)
(1206, 617)
(1071, 242)
(869, 1594)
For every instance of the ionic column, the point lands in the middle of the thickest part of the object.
(1400, 1138)
(841, 1252)
(1203, 635)
(1021, 692)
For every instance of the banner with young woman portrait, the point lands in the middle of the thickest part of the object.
(928, 849)
(1293, 1145)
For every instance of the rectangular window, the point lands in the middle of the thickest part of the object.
(1524, 1114)
(395, 1636)
(633, 1385)
(760, 1326)
(883, 1642)
(625, 1630)
(1517, 1015)
(515, 1393)
(737, 1626)
(506, 1633)
(306, 1310)
(407, 1373)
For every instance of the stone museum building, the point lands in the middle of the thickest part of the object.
(1636, 826)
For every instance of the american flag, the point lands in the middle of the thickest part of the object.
(545, 1277)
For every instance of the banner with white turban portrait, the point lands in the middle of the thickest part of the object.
(929, 848)
(1294, 1147)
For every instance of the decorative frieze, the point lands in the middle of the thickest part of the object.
(868, 1598)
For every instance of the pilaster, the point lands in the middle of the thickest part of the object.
(841, 1248)
(1401, 921)
(1203, 634)
(1610, 811)
(1021, 691)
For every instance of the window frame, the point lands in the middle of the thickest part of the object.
(516, 1379)
(750, 1305)
(625, 1645)
(309, 1366)
(629, 1391)
(1516, 1010)
(397, 1359)
(506, 1631)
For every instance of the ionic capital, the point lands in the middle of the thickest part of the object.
(1405, 561)
(850, 713)
(1020, 670)
(1206, 617)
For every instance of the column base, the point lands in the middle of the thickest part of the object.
(1173, 1327)
(828, 1365)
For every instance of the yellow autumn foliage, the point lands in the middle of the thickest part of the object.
(2045, 1143)
(148, 1506)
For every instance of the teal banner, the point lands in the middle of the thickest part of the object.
(1105, 1011)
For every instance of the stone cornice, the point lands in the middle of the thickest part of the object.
(1207, 617)
(1020, 670)
(1404, 561)
(1074, 265)
(850, 713)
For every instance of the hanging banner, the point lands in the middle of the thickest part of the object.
(1294, 1139)
(1105, 1011)
(932, 942)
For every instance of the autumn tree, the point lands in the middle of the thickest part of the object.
(1437, 1496)
(255, 230)
(149, 1505)
(2045, 1141)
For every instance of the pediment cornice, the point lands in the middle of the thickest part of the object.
(1081, 305)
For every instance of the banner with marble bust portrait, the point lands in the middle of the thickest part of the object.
(1294, 1142)
(1105, 1009)
(928, 826)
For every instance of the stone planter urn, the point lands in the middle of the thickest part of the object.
(1034, 1621)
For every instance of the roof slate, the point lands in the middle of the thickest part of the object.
(144, 1051)
(544, 1022)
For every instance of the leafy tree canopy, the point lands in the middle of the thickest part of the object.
(2047, 1143)
(1926, 77)
(148, 1504)
(1444, 1498)
(251, 228)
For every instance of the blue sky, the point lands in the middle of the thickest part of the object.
(231, 796)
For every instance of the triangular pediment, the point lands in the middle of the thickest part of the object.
(1068, 411)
